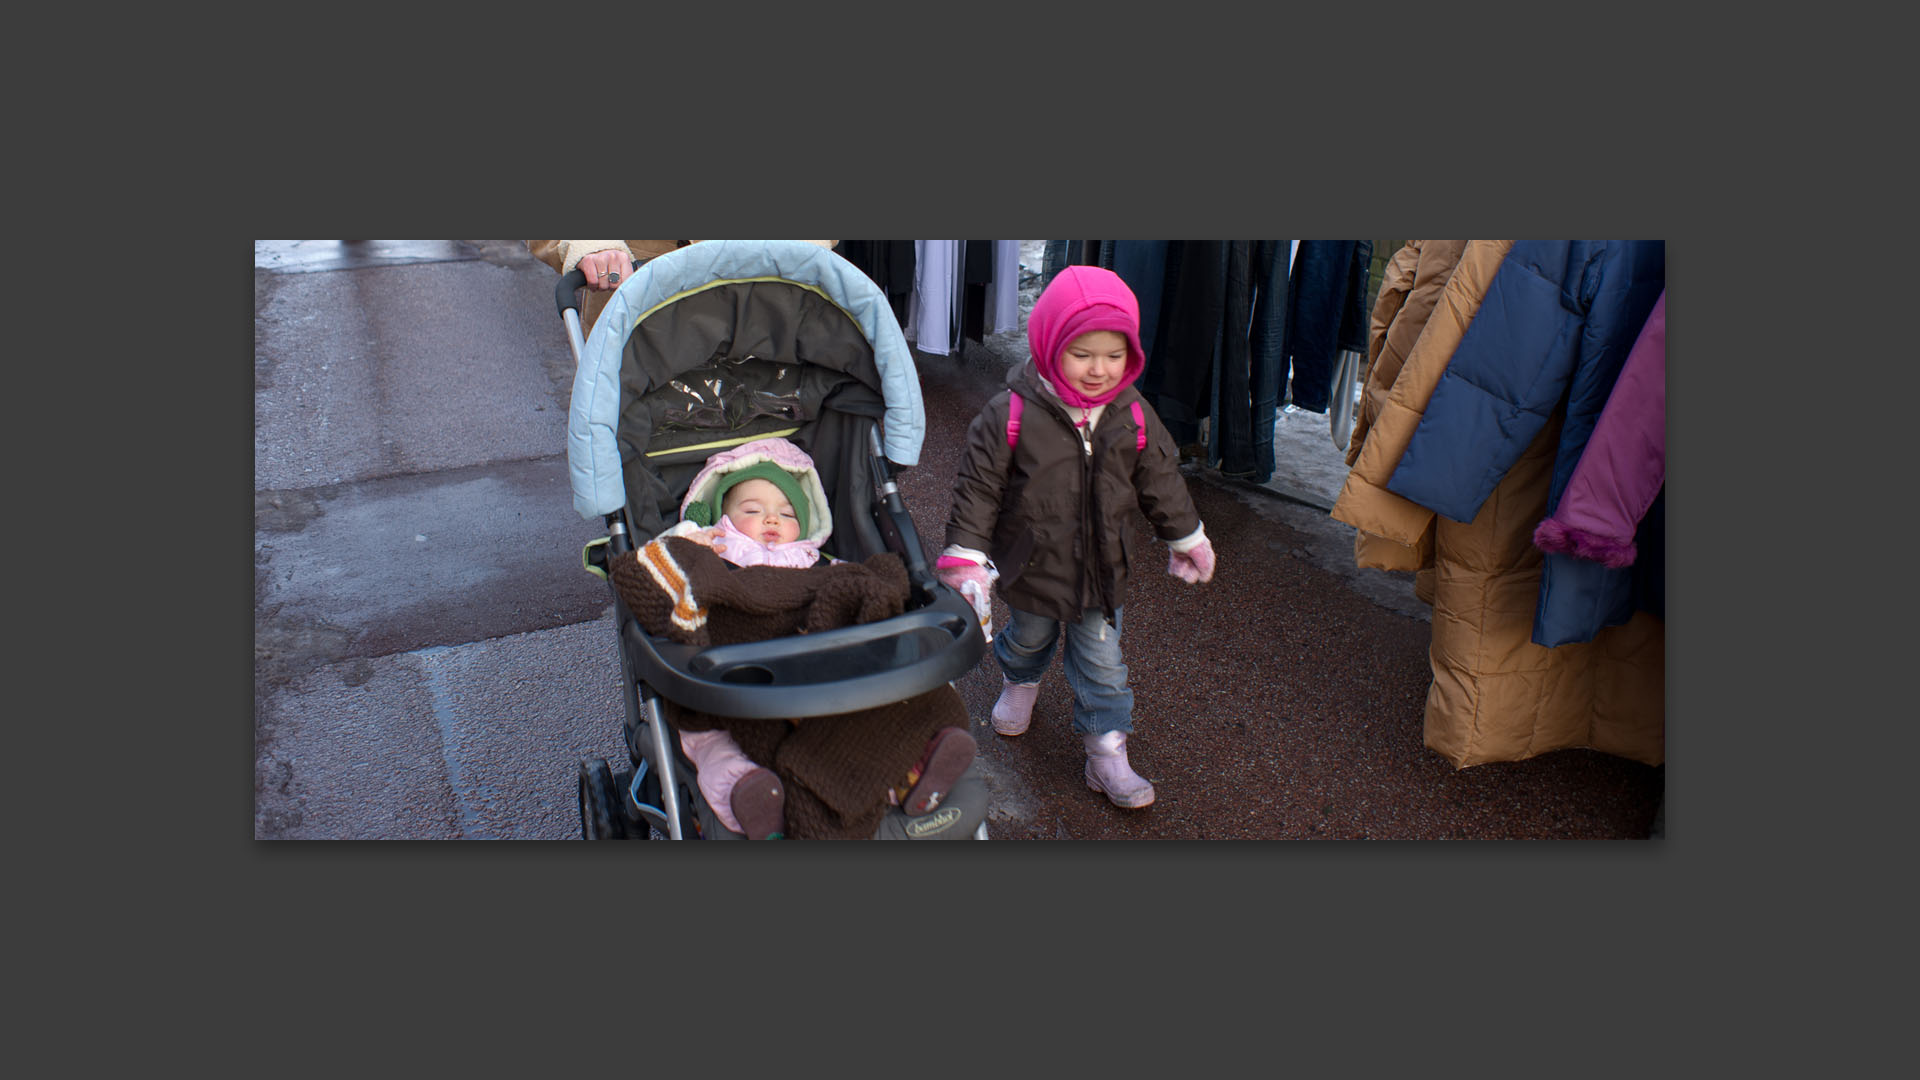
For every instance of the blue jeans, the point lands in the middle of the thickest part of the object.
(1102, 702)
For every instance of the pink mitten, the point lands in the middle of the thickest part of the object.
(958, 574)
(1192, 567)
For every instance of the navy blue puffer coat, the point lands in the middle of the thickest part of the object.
(1552, 334)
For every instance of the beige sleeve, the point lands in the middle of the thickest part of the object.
(572, 251)
(564, 255)
(828, 244)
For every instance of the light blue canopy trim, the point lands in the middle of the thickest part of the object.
(593, 453)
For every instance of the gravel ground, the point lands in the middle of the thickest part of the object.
(1280, 700)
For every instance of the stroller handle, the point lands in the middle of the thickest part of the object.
(563, 293)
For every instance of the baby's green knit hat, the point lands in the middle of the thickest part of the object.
(708, 512)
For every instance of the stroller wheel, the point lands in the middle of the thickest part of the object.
(633, 823)
(601, 817)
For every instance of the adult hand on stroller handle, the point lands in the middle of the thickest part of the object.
(604, 269)
(591, 275)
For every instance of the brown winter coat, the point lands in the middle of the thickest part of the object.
(1495, 695)
(1061, 544)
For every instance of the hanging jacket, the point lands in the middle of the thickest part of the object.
(1564, 314)
(1624, 466)
(1417, 323)
(1410, 286)
(1496, 694)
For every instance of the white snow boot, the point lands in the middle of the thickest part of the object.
(1108, 771)
(1014, 710)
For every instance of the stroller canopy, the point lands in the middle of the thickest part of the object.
(593, 448)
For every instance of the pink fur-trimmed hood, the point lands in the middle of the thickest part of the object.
(779, 452)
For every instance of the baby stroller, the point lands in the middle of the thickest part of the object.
(711, 346)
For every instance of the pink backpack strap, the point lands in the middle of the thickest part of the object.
(1139, 428)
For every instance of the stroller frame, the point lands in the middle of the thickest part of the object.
(829, 672)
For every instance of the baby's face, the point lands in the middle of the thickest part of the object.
(759, 509)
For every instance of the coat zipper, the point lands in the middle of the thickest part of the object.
(1090, 528)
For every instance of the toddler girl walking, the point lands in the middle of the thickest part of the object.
(1053, 467)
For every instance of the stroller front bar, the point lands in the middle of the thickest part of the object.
(820, 674)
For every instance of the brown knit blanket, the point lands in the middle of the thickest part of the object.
(836, 769)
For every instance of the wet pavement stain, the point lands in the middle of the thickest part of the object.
(309, 256)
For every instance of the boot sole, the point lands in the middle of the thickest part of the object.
(951, 754)
(759, 804)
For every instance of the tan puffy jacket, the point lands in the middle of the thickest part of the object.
(1496, 696)
(1425, 304)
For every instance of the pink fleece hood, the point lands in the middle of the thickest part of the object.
(1080, 300)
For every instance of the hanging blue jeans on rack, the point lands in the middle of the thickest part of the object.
(1178, 382)
(1142, 264)
(1317, 300)
(1055, 261)
(1232, 398)
(1266, 370)
(1216, 352)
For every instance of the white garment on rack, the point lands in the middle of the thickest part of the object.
(910, 329)
(932, 313)
(1346, 381)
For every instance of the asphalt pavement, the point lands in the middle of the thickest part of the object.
(430, 660)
